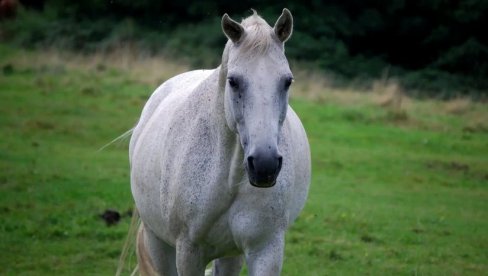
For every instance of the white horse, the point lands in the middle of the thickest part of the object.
(220, 163)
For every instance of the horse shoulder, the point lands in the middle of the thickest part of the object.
(301, 161)
(297, 133)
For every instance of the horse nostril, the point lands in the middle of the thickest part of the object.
(250, 163)
(280, 162)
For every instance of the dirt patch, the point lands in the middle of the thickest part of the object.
(112, 217)
(40, 124)
(448, 166)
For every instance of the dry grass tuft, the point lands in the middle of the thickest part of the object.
(476, 120)
(389, 94)
(319, 88)
(458, 106)
(152, 70)
(310, 85)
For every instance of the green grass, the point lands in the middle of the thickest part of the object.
(389, 196)
(390, 200)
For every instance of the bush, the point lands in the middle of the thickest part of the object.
(355, 40)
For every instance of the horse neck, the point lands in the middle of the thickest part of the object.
(219, 98)
(215, 97)
(223, 70)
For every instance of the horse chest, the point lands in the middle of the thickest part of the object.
(226, 222)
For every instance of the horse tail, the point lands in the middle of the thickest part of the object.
(146, 268)
(120, 137)
(128, 244)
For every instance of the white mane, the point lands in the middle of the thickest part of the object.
(259, 35)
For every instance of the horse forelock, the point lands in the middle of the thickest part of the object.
(259, 35)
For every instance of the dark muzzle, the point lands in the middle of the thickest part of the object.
(263, 169)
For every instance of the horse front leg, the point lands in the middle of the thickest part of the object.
(190, 260)
(227, 266)
(266, 259)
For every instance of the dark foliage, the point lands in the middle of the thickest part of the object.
(436, 45)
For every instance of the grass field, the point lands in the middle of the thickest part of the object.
(397, 189)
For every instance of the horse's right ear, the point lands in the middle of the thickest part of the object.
(284, 26)
(233, 30)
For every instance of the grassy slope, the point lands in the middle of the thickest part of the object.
(388, 196)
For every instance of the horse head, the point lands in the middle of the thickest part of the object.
(257, 80)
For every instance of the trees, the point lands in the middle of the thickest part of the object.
(349, 37)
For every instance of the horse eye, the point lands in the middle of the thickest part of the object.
(233, 83)
(288, 82)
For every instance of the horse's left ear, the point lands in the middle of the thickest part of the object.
(233, 30)
(284, 26)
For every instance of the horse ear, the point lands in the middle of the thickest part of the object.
(233, 30)
(284, 26)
